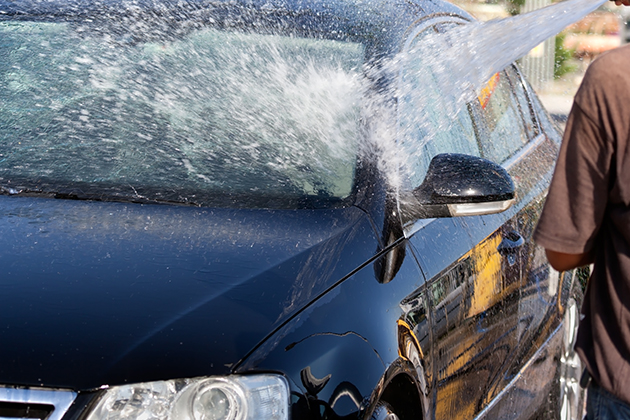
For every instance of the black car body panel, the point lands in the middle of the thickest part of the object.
(149, 281)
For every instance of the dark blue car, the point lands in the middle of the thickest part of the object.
(254, 209)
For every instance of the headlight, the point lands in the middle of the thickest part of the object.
(256, 397)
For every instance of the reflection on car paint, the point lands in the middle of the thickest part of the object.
(474, 350)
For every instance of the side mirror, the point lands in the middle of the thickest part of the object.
(461, 185)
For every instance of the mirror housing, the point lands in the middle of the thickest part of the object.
(461, 185)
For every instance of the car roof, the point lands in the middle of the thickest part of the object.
(381, 25)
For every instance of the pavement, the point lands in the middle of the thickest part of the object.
(557, 97)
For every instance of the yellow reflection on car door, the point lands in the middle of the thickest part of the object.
(476, 312)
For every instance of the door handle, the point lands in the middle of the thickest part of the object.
(510, 245)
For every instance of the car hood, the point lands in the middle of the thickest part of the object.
(95, 293)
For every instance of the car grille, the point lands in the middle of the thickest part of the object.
(43, 404)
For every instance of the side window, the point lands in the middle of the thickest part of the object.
(425, 128)
(502, 131)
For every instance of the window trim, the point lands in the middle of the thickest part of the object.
(530, 103)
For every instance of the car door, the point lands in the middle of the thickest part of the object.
(510, 134)
(476, 266)
(531, 166)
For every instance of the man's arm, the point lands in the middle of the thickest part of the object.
(563, 262)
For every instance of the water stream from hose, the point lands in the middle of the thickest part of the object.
(455, 66)
(469, 55)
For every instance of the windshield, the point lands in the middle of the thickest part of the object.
(210, 118)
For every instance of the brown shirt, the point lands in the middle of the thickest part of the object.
(588, 208)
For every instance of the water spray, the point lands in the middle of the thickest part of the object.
(471, 54)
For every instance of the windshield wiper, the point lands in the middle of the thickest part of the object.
(127, 198)
(34, 192)
(9, 191)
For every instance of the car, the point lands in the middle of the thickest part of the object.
(254, 209)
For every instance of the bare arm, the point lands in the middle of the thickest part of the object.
(562, 262)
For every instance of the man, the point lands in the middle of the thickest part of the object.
(586, 219)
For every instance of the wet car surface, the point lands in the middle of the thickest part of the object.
(187, 234)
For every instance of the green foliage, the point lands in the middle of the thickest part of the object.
(514, 6)
(562, 63)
